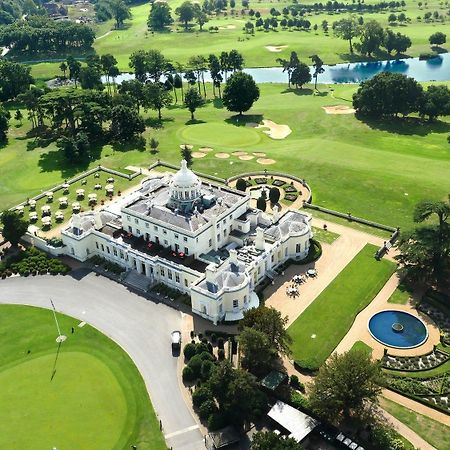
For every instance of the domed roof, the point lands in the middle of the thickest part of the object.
(185, 177)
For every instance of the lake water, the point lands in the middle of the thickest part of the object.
(436, 69)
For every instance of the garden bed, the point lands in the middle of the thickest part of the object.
(415, 363)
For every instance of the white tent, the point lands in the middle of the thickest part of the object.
(296, 422)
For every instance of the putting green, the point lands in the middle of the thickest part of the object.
(219, 135)
(87, 395)
(83, 393)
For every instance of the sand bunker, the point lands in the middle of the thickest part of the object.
(338, 109)
(198, 155)
(275, 131)
(246, 157)
(259, 154)
(275, 48)
(222, 155)
(265, 161)
(188, 146)
(205, 149)
(228, 27)
(239, 153)
(251, 124)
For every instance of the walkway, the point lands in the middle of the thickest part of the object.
(141, 327)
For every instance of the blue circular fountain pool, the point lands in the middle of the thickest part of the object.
(397, 329)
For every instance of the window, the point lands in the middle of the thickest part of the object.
(298, 248)
(156, 228)
(231, 228)
(146, 225)
(136, 220)
(245, 299)
(186, 282)
(169, 274)
(107, 249)
(130, 229)
(218, 225)
(235, 303)
(162, 273)
(166, 243)
(239, 228)
(186, 250)
(177, 277)
(210, 243)
(273, 257)
(285, 251)
(96, 244)
(115, 251)
(185, 239)
(218, 237)
(224, 233)
(164, 231)
(138, 232)
(128, 217)
(121, 254)
(151, 270)
(221, 308)
(103, 247)
(176, 236)
(87, 251)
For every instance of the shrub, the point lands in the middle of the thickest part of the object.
(221, 354)
(294, 381)
(195, 363)
(241, 184)
(188, 374)
(210, 348)
(189, 350)
(220, 342)
(206, 370)
(206, 356)
(216, 421)
(200, 395)
(299, 401)
(206, 409)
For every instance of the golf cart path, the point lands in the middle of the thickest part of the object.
(141, 327)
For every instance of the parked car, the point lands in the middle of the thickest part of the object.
(176, 340)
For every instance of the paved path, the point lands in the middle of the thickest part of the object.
(141, 327)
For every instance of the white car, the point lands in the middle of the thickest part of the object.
(176, 340)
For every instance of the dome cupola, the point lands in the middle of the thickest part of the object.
(185, 188)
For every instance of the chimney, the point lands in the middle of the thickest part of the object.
(276, 213)
(210, 273)
(233, 256)
(259, 241)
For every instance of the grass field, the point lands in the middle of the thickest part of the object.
(89, 395)
(332, 313)
(179, 45)
(374, 170)
(327, 237)
(435, 433)
(400, 296)
(361, 346)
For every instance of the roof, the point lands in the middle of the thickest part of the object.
(225, 436)
(274, 379)
(290, 223)
(296, 422)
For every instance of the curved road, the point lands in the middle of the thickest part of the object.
(140, 326)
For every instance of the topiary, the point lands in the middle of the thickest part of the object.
(241, 184)
(206, 370)
(195, 363)
(206, 409)
(200, 395)
(221, 354)
(189, 351)
(216, 421)
(188, 374)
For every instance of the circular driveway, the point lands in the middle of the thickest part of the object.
(140, 326)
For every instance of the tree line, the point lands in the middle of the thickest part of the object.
(41, 34)
(11, 10)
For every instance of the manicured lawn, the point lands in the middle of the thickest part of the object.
(319, 329)
(400, 296)
(361, 346)
(435, 433)
(327, 237)
(89, 395)
(350, 165)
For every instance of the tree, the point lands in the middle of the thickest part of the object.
(372, 37)
(18, 116)
(261, 203)
(274, 195)
(134, 89)
(235, 60)
(214, 70)
(156, 97)
(160, 16)
(346, 385)
(74, 69)
(347, 29)
(120, 11)
(438, 38)
(15, 79)
(424, 252)
(269, 321)
(240, 92)
(258, 352)
(14, 227)
(186, 154)
(401, 43)
(154, 144)
(4, 123)
(148, 64)
(126, 123)
(241, 185)
(74, 148)
(289, 65)
(435, 102)
(63, 68)
(90, 78)
(318, 68)
(108, 63)
(185, 13)
(268, 440)
(193, 100)
(392, 18)
(301, 75)
(388, 94)
(200, 16)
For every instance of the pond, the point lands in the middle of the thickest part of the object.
(435, 69)
(398, 329)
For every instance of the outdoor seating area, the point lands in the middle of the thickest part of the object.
(293, 289)
(347, 442)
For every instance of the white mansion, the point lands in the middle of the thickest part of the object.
(200, 238)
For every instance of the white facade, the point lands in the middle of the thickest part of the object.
(199, 238)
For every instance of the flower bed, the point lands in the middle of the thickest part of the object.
(291, 197)
(433, 309)
(415, 363)
(278, 183)
(290, 189)
(261, 180)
